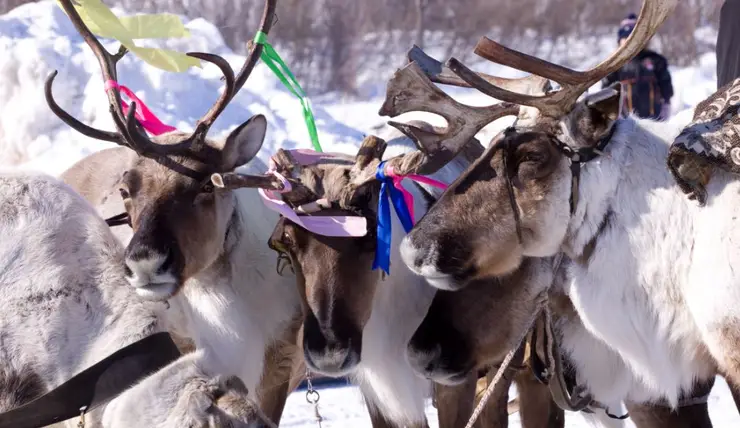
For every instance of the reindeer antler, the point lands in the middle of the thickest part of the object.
(410, 90)
(440, 73)
(574, 83)
(130, 133)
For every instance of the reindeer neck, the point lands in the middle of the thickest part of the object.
(613, 187)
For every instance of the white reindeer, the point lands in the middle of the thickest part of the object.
(67, 305)
(653, 279)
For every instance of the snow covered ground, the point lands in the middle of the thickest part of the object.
(343, 408)
(38, 38)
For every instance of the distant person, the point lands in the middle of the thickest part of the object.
(645, 79)
(728, 43)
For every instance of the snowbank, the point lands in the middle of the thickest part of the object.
(38, 38)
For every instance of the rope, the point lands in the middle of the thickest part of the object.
(505, 364)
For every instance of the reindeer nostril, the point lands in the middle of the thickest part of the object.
(167, 262)
(127, 270)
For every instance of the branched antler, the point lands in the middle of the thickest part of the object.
(130, 132)
(410, 90)
(440, 73)
(574, 83)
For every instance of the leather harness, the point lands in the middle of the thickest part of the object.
(96, 385)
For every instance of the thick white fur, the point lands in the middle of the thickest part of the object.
(661, 281)
(401, 301)
(67, 305)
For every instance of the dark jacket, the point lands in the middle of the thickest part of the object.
(728, 43)
(646, 84)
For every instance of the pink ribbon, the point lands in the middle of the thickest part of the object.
(148, 120)
(335, 225)
(407, 196)
(340, 226)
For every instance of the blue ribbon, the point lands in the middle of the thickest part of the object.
(388, 191)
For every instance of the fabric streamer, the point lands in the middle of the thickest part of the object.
(271, 58)
(340, 226)
(146, 118)
(393, 192)
(104, 23)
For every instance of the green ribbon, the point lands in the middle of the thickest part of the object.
(281, 70)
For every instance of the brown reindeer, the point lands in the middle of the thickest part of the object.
(476, 326)
(348, 328)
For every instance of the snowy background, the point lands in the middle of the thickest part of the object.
(36, 39)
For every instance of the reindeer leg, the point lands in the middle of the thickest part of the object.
(377, 420)
(656, 416)
(735, 391)
(455, 403)
(496, 412)
(536, 407)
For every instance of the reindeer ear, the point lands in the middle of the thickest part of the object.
(595, 115)
(244, 142)
(607, 102)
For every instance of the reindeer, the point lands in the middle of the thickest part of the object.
(67, 306)
(199, 248)
(456, 338)
(652, 274)
(352, 326)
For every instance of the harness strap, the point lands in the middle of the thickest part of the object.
(510, 191)
(550, 371)
(118, 220)
(598, 405)
(580, 156)
(96, 385)
(693, 401)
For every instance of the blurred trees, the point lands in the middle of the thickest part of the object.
(329, 41)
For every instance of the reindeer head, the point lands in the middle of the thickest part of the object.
(179, 220)
(334, 271)
(515, 200)
(473, 328)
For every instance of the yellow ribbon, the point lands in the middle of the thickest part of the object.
(104, 23)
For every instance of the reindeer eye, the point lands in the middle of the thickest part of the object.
(532, 157)
(124, 193)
